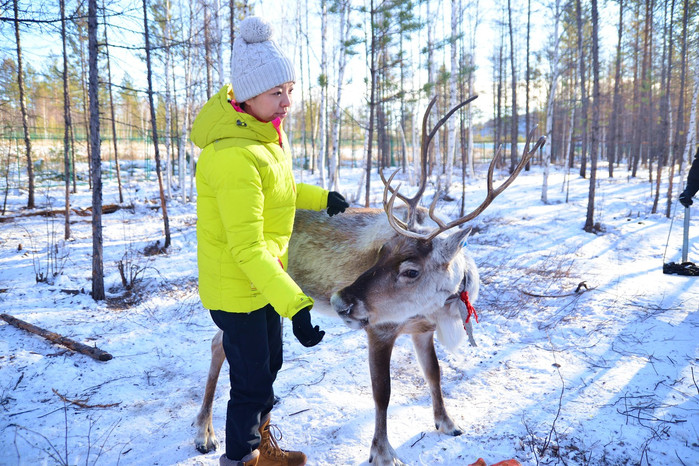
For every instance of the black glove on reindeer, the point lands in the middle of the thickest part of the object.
(336, 203)
(305, 332)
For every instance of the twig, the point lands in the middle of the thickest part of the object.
(422, 435)
(694, 380)
(680, 459)
(22, 412)
(547, 442)
(22, 376)
(81, 403)
(316, 382)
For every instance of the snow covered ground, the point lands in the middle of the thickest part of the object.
(607, 375)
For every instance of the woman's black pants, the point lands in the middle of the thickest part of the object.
(253, 346)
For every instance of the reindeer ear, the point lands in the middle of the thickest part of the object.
(455, 242)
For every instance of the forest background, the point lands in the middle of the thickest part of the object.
(94, 89)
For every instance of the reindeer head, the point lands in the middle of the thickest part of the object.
(419, 271)
(411, 277)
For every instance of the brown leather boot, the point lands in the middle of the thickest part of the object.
(248, 460)
(271, 454)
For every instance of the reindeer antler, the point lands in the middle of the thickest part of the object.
(425, 142)
(404, 228)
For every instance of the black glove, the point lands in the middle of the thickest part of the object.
(686, 199)
(306, 333)
(336, 203)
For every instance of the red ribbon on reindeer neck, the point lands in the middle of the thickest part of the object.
(469, 307)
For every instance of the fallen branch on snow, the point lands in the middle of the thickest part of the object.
(577, 292)
(91, 351)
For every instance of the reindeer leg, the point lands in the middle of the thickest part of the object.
(381, 343)
(205, 440)
(426, 355)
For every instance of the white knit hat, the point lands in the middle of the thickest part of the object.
(258, 62)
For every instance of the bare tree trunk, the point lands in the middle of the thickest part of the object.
(72, 156)
(570, 147)
(207, 50)
(583, 91)
(471, 82)
(336, 156)
(67, 123)
(86, 111)
(96, 172)
(679, 130)
(111, 108)
(306, 110)
(613, 138)
(310, 107)
(322, 117)
(453, 95)
(187, 59)
(527, 77)
(514, 124)
(168, 95)
(555, 73)
(645, 122)
(665, 149)
(23, 109)
(219, 42)
(372, 102)
(498, 99)
(594, 143)
(668, 103)
(435, 159)
(154, 128)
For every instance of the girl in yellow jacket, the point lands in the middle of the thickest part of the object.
(246, 202)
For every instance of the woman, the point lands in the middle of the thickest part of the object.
(246, 201)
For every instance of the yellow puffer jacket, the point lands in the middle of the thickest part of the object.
(246, 203)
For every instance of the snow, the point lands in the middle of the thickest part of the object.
(602, 376)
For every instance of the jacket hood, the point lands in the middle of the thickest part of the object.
(218, 119)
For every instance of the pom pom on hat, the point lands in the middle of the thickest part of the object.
(258, 62)
(255, 29)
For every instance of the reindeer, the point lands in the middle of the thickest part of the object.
(387, 276)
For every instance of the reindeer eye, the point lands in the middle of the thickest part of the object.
(410, 273)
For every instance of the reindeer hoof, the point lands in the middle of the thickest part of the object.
(206, 447)
(449, 429)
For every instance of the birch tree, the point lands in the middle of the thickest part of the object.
(474, 20)
(514, 124)
(692, 132)
(323, 82)
(613, 134)
(453, 94)
(342, 7)
(679, 129)
(23, 109)
(551, 98)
